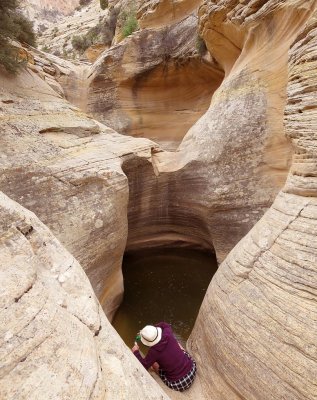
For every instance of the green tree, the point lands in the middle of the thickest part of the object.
(13, 26)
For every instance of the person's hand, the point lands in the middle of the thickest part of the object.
(135, 347)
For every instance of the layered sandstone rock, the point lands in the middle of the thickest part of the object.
(65, 167)
(257, 322)
(254, 337)
(57, 38)
(154, 84)
(45, 12)
(237, 151)
(158, 13)
(55, 339)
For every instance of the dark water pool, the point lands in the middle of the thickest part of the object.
(166, 285)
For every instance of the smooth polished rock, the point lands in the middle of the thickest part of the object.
(255, 335)
(65, 167)
(154, 84)
(55, 339)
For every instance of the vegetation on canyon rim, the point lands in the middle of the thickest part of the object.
(129, 22)
(104, 31)
(13, 26)
(82, 42)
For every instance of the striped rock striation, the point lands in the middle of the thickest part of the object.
(55, 339)
(242, 182)
(258, 320)
(66, 167)
(154, 83)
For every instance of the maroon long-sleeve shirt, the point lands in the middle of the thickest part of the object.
(167, 353)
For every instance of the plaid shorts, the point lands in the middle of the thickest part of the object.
(182, 383)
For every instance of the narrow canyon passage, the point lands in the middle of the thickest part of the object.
(163, 285)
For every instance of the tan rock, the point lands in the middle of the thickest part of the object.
(254, 337)
(94, 51)
(255, 333)
(55, 340)
(65, 167)
(57, 38)
(158, 13)
(153, 84)
(45, 11)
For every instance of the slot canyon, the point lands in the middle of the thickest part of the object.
(175, 162)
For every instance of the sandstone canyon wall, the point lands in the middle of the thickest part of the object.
(65, 167)
(260, 309)
(47, 11)
(255, 335)
(48, 308)
(155, 84)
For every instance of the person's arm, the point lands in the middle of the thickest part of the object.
(149, 360)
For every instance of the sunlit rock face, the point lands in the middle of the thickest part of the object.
(55, 340)
(255, 333)
(154, 84)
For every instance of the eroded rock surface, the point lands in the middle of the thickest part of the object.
(258, 319)
(232, 162)
(45, 12)
(65, 167)
(55, 340)
(154, 83)
(255, 334)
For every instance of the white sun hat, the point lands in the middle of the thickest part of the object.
(150, 335)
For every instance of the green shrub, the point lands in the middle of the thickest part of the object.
(13, 26)
(103, 4)
(129, 23)
(82, 42)
(79, 43)
(46, 49)
(8, 58)
(25, 32)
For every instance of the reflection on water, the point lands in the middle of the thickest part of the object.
(167, 285)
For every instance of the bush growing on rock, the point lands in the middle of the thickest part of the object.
(129, 23)
(13, 26)
(103, 4)
(82, 42)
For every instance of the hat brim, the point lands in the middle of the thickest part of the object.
(154, 342)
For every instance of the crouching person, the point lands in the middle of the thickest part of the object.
(174, 365)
